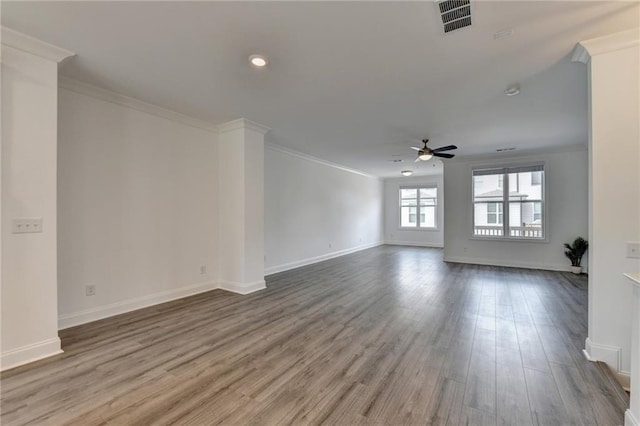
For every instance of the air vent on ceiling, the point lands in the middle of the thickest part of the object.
(455, 14)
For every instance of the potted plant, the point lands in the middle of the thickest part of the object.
(574, 252)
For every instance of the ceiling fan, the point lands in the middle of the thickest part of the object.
(425, 153)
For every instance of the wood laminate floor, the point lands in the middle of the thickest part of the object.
(390, 335)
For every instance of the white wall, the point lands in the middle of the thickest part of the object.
(614, 207)
(314, 211)
(566, 199)
(392, 232)
(137, 208)
(29, 112)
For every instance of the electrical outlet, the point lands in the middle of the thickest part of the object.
(26, 225)
(203, 270)
(633, 249)
(329, 245)
(90, 290)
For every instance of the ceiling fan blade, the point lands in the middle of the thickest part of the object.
(415, 147)
(438, 154)
(445, 148)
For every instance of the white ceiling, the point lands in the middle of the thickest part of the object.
(355, 83)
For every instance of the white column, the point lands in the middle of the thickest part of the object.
(632, 416)
(614, 192)
(29, 173)
(241, 198)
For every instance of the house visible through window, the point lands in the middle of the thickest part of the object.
(418, 207)
(494, 213)
(537, 212)
(509, 202)
(536, 178)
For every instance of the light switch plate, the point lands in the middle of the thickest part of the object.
(633, 249)
(27, 225)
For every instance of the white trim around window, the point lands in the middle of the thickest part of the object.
(526, 199)
(423, 208)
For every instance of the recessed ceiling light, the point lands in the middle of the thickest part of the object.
(507, 32)
(406, 173)
(512, 90)
(258, 61)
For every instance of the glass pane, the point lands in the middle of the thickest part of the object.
(427, 217)
(536, 178)
(408, 216)
(428, 192)
(525, 220)
(488, 219)
(537, 212)
(409, 202)
(521, 187)
(487, 188)
(408, 193)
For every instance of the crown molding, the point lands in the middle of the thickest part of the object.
(524, 154)
(242, 123)
(126, 101)
(587, 49)
(34, 46)
(288, 151)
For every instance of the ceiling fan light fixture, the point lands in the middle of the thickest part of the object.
(406, 173)
(425, 153)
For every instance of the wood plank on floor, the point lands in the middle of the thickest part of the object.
(389, 335)
(546, 405)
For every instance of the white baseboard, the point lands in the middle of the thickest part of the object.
(242, 288)
(413, 244)
(630, 419)
(30, 353)
(316, 259)
(610, 355)
(94, 314)
(508, 263)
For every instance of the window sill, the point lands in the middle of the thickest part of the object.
(514, 239)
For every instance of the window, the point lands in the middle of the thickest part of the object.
(418, 207)
(509, 202)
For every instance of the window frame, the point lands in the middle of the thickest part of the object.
(505, 202)
(435, 207)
